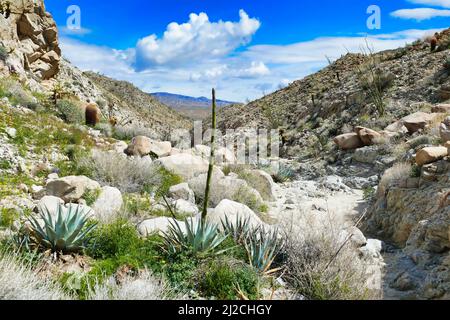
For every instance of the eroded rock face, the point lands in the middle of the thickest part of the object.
(31, 38)
(417, 220)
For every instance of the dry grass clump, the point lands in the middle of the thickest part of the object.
(20, 282)
(395, 175)
(116, 170)
(320, 267)
(144, 287)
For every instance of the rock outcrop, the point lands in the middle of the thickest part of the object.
(416, 219)
(31, 38)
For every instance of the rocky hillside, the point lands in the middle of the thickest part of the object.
(335, 99)
(140, 106)
(30, 51)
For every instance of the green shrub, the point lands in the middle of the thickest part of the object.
(3, 53)
(167, 180)
(228, 280)
(114, 240)
(8, 216)
(368, 193)
(70, 111)
(416, 171)
(90, 196)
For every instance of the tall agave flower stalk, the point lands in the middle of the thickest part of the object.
(211, 159)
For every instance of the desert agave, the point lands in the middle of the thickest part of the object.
(199, 238)
(66, 232)
(262, 248)
(240, 230)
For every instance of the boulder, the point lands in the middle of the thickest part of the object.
(182, 191)
(444, 132)
(372, 250)
(108, 203)
(222, 155)
(185, 165)
(368, 136)
(139, 146)
(396, 127)
(225, 156)
(224, 187)
(231, 209)
(419, 120)
(263, 183)
(366, 154)
(357, 238)
(71, 188)
(441, 108)
(184, 208)
(349, 141)
(430, 155)
(120, 146)
(158, 225)
(161, 148)
(51, 203)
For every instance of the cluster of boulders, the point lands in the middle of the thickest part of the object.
(31, 35)
(192, 165)
(360, 137)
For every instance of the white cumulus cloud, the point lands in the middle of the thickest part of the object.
(197, 39)
(435, 3)
(420, 14)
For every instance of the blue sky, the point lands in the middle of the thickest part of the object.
(245, 48)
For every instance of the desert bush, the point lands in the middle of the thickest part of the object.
(20, 281)
(116, 170)
(419, 141)
(16, 93)
(313, 269)
(143, 287)
(228, 279)
(392, 176)
(70, 111)
(130, 131)
(105, 128)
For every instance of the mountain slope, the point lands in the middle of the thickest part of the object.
(330, 101)
(141, 106)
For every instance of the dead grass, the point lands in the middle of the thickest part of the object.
(394, 176)
(144, 287)
(321, 265)
(20, 282)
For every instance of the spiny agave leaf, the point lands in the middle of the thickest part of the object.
(67, 232)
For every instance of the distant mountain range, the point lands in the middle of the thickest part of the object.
(196, 108)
